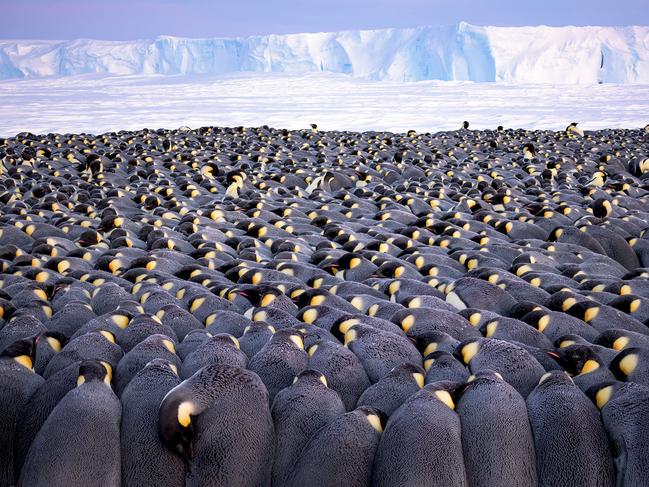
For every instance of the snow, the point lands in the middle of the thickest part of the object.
(463, 52)
(96, 103)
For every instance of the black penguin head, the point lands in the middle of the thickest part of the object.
(465, 124)
(311, 376)
(175, 426)
(601, 208)
(577, 359)
(466, 350)
(261, 295)
(95, 370)
(602, 393)
(22, 351)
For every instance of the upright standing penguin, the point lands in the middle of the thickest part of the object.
(569, 437)
(86, 420)
(219, 420)
(496, 435)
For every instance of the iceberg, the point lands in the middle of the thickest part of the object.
(462, 52)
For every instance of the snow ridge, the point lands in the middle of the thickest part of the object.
(462, 52)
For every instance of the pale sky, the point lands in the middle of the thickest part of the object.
(138, 19)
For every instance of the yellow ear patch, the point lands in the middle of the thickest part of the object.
(54, 344)
(469, 351)
(543, 323)
(408, 322)
(419, 379)
(491, 329)
(323, 379)
(185, 410)
(297, 340)
(629, 363)
(355, 262)
(446, 398)
(312, 350)
(267, 299)
(25, 361)
(309, 316)
(197, 303)
(317, 300)
(568, 303)
(107, 335)
(169, 345)
(603, 396)
(589, 366)
(375, 422)
(591, 314)
(635, 304)
(621, 343)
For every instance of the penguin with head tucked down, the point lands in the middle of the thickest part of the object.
(219, 420)
(87, 419)
(341, 453)
(422, 444)
(298, 412)
(584, 364)
(517, 366)
(18, 383)
(496, 435)
(393, 389)
(280, 360)
(342, 368)
(144, 457)
(624, 408)
(632, 365)
(569, 438)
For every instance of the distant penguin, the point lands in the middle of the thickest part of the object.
(298, 412)
(496, 435)
(573, 130)
(422, 444)
(144, 457)
(86, 420)
(341, 453)
(569, 438)
(219, 420)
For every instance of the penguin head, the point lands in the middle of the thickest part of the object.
(22, 351)
(175, 426)
(466, 350)
(601, 208)
(95, 370)
(584, 310)
(625, 363)
(614, 339)
(312, 377)
(577, 359)
(445, 391)
(602, 393)
(261, 295)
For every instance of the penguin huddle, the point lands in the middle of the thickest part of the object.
(257, 306)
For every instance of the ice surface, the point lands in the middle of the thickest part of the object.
(461, 52)
(96, 104)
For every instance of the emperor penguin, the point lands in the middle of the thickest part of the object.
(86, 420)
(219, 420)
